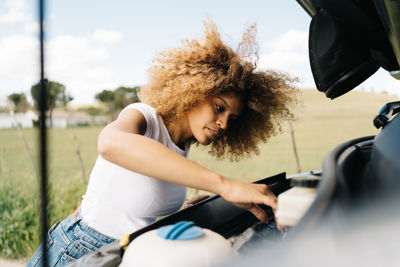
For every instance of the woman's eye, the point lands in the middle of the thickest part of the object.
(219, 108)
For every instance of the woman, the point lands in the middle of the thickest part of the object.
(202, 92)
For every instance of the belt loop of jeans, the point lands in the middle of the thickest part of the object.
(74, 220)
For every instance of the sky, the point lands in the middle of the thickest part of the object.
(93, 45)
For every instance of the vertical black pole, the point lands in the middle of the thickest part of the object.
(43, 139)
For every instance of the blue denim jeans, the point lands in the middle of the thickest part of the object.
(68, 241)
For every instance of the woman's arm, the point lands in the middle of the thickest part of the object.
(122, 142)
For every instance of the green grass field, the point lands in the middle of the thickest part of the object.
(321, 125)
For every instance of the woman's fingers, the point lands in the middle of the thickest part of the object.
(266, 197)
(271, 200)
(262, 195)
(248, 196)
(259, 213)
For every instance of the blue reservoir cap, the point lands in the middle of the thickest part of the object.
(183, 230)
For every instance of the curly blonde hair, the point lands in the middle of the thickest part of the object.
(186, 76)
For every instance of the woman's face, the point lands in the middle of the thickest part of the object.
(211, 119)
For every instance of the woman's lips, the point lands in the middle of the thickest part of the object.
(213, 132)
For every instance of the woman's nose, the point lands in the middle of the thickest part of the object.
(222, 123)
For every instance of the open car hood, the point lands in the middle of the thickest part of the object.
(350, 40)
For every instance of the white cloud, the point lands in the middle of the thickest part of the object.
(292, 40)
(15, 11)
(80, 66)
(289, 53)
(66, 51)
(284, 60)
(19, 56)
(77, 62)
(32, 27)
(84, 82)
(107, 37)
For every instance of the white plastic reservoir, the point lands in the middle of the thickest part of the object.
(294, 203)
(180, 245)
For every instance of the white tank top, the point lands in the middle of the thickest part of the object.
(119, 201)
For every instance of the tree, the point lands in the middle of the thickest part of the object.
(19, 101)
(105, 96)
(56, 96)
(65, 99)
(118, 99)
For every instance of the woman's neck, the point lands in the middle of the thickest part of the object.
(179, 131)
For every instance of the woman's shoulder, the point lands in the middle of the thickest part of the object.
(149, 114)
(147, 110)
(141, 107)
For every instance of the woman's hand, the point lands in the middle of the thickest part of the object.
(247, 196)
(190, 202)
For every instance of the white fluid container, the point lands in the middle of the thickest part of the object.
(180, 245)
(294, 203)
